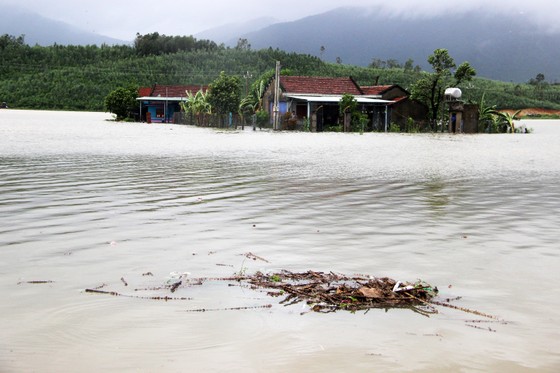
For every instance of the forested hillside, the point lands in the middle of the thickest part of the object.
(80, 77)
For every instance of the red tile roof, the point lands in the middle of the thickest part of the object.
(144, 91)
(176, 90)
(375, 89)
(319, 85)
(169, 90)
(398, 99)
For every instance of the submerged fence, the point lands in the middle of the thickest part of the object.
(217, 121)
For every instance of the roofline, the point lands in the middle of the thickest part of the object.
(337, 98)
(389, 86)
(159, 98)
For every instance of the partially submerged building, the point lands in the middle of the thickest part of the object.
(402, 107)
(463, 118)
(302, 99)
(317, 99)
(160, 103)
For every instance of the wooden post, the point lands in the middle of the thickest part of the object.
(347, 120)
(314, 122)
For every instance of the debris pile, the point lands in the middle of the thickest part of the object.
(322, 292)
(329, 292)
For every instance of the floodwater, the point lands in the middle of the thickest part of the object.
(88, 203)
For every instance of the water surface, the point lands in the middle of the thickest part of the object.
(85, 202)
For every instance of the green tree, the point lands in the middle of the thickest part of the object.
(122, 102)
(348, 105)
(464, 73)
(540, 84)
(243, 44)
(225, 94)
(408, 65)
(430, 89)
(7, 40)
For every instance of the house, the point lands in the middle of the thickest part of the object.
(159, 103)
(402, 108)
(316, 99)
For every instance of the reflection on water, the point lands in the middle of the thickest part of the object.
(85, 202)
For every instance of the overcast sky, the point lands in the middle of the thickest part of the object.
(122, 19)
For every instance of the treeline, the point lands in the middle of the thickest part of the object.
(80, 77)
(156, 44)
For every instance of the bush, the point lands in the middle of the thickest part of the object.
(122, 102)
(394, 127)
(263, 119)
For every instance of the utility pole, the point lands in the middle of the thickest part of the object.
(247, 76)
(276, 108)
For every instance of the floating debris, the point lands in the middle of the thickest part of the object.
(320, 291)
(116, 294)
(329, 292)
(230, 308)
(250, 255)
(35, 282)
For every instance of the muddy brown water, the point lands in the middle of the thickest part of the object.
(85, 202)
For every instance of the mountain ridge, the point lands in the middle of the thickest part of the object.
(504, 47)
(44, 31)
(498, 47)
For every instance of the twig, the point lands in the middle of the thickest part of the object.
(36, 282)
(474, 312)
(229, 308)
(250, 255)
(115, 294)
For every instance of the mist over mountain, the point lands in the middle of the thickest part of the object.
(501, 47)
(223, 34)
(45, 31)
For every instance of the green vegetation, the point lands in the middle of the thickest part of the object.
(225, 94)
(81, 77)
(349, 111)
(122, 102)
(494, 121)
(430, 88)
(198, 106)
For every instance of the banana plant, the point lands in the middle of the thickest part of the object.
(198, 105)
(509, 118)
(254, 101)
(487, 116)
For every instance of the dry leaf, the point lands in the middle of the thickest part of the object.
(370, 292)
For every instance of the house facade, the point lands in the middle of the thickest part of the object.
(159, 103)
(316, 99)
(402, 108)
